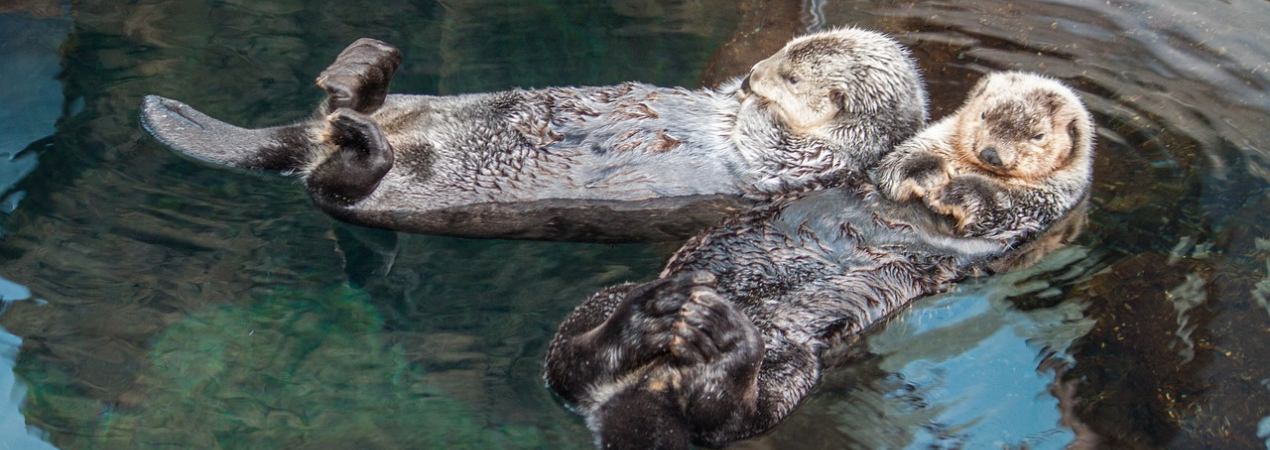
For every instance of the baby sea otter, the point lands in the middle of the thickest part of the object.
(735, 331)
(611, 163)
(1012, 159)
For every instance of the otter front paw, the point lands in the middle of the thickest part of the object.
(919, 176)
(971, 200)
(359, 77)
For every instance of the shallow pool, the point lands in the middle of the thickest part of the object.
(159, 303)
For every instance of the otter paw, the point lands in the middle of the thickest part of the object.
(351, 130)
(709, 330)
(717, 353)
(921, 176)
(361, 158)
(359, 77)
(969, 199)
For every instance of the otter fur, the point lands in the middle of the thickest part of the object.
(612, 163)
(1012, 159)
(740, 323)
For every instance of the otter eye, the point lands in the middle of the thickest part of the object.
(1038, 136)
(983, 115)
(791, 79)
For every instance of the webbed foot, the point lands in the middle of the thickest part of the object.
(617, 332)
(361, 158)
(650, 316)
(718, 353)
(709, 330)
(359, 77)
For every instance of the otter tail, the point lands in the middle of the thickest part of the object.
(196, 135)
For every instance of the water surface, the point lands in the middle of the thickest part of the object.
(165, 304)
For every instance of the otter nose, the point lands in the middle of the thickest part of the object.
(745, 84)
(989, 155)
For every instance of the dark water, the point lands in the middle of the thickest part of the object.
(163, 304)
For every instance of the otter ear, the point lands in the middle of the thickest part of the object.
(1075, 132)
(1080, 128)
(838, 98)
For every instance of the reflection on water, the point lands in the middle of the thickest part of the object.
(973, 352)
(32, 98)
(14, 432)
(189, 307)
(966, 369)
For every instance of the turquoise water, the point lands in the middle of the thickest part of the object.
(159, 303)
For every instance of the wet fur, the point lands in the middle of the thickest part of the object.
(779, 286)
(536, 163)
(1037, 181)
(732, 335)
(635, 141)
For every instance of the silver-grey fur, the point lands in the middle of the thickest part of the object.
(731, 336)
(624, 162)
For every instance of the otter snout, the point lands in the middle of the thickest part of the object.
(990, 157)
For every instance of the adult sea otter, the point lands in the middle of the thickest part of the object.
(611, 163)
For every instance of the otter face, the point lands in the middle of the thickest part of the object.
(818, 78)
(1022, 126)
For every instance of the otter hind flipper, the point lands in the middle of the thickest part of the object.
(361, 158)
(359, 77)
(204, 138)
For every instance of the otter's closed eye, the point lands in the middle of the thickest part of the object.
(1038, 136)
(791, 79)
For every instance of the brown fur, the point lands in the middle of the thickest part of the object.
(1041, 135)
(1011, 123)
(1010, 129)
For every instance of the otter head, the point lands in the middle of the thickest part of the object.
(840, 79)
(1023, 126)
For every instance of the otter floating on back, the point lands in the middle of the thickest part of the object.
(612, 163)
(1010, 161)
(732, 335)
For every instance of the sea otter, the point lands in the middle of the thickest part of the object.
(737, 328)
(612, 163)
(1010, 152)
